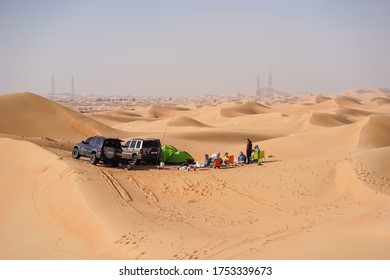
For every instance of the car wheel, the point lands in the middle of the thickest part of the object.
(94, 159)
(152, 151)
(109, 152)
(76, 153)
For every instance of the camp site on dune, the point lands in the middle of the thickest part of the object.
(322, 191)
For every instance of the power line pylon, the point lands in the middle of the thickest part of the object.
(53, 87)
(270, 87)
(258, 91)
(72, 88)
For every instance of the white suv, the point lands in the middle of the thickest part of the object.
(142, 150)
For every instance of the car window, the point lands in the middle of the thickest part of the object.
(112, 143)
(138, 144)
(127, 144)
(93, 141)
(88, 140)
(151, 144)
(132, 144)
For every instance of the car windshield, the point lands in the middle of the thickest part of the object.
(151, 144)
(113, 143)
(88, 140)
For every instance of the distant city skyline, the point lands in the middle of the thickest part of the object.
(187, 48)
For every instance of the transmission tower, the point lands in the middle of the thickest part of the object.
(270, 87)
(258, 92)
(72, 88)
(53, 87)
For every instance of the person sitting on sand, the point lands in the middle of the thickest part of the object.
(226, 158)
(206, 163)
(241, 158)
(214, 156)
(255, 158)
(207, 160)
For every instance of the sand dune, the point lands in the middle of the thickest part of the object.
(336, 139)
(119, 115)
(186, 121)
(366, 95)
(376, 132)
(223, 136)
(348, 237)
(373, 168)
(324, 105)
(354, 112)
(27, 114)
(324, 119)
(40, 193)
(244, 109)
(156, 111)
(321, 98)
(345, 101)
(381, 100)
(322, 193)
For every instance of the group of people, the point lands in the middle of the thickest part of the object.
(242, 158)
(210, 160)
(246, 158)
(216, 160)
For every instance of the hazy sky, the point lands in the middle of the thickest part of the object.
(193, 47)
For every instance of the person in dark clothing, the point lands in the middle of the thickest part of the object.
(248, 150)
(241, 158)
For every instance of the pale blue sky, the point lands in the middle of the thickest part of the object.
(193, 47)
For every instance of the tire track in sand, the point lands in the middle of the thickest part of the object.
(123, 193)
(113, 183)
(141, 186)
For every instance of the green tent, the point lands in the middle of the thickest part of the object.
(170, 154)
(180, 157)
(166, 152)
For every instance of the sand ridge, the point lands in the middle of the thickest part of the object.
(244, 109)
(41, 194)
(28, 114)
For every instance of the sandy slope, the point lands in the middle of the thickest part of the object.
(28, 114)
(325, 193)
(43, 212)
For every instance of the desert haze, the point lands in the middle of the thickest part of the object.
(323, 191)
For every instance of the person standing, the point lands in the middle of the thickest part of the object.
(248, 150)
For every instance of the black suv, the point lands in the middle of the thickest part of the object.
(144, 150)
(97, 148)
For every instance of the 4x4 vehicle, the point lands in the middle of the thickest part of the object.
(145, 150)
(97, 148)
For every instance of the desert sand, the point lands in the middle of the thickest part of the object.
(322, 193)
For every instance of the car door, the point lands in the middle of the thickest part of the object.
(91, 146)
(126, 152)
(138, 147)
(132, 148)
(84, 147)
